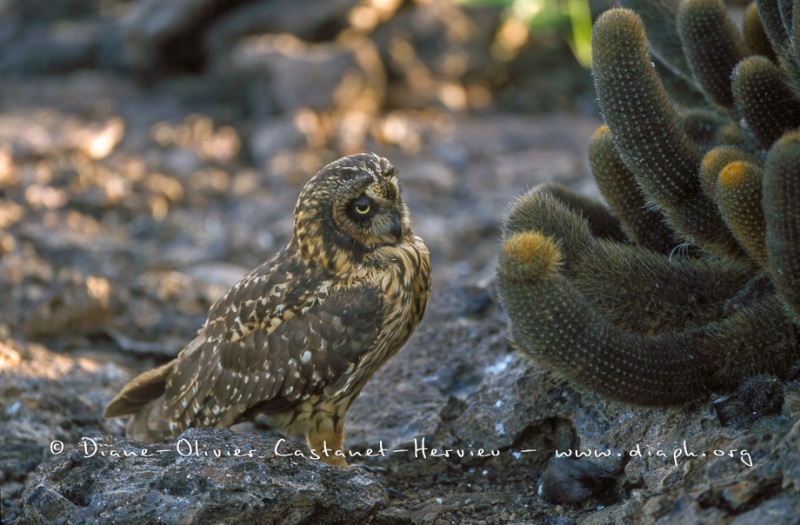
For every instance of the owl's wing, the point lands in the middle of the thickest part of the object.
(275, 365)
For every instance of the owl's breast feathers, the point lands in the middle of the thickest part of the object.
(287, 332)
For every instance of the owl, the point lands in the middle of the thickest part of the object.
(297, 338)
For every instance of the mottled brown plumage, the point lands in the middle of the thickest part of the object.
(298, 337)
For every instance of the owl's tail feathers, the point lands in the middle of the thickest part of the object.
(143, 399)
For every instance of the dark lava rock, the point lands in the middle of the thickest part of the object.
(113, 480)
(291, 74)
(311, 20)
(568, 480)
(756, 397)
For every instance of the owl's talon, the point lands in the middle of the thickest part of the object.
(375, 469)
(393, 493)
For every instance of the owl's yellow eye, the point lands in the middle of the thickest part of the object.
(362, 209)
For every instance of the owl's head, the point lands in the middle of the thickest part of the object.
(350, 208)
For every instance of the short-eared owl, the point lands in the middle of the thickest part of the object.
(298, 337)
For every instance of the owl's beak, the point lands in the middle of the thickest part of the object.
(396, 229)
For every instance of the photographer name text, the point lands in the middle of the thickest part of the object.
(421, 449)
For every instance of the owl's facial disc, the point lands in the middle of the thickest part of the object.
(379, 219)
(371, 214)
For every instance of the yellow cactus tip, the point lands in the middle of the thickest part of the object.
(601, 132)
(531, 254)
(733, 174)
(789, 137)
(712, 159)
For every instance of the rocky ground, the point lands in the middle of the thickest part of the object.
(150, 156)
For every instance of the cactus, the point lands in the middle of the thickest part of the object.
(739, 196)
(706, 22)
(639, 318)
(645, 226)
(767, 103)
(782, 210)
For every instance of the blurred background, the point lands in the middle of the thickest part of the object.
(151, 153)
(148, 146)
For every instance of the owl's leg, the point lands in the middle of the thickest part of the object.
(326, 437)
